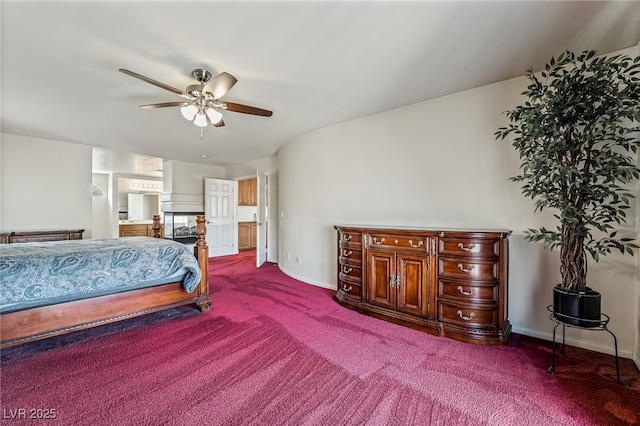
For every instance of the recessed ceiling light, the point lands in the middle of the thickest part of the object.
(204, 156)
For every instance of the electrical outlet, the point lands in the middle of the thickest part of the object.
(298, 259)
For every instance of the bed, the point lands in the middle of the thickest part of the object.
(24, 321)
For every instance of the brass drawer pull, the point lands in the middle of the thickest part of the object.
(420, 243)
(345, 238)
(346, 253)
(470, 248)
(463, 269)
(466, 293)
(375, 241)
(471, 315)
(346, 270)
(345, 288)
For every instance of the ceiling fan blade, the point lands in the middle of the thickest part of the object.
(219, 123)
(246, 109)
(220, 84)
(156, 83)
(163, 105)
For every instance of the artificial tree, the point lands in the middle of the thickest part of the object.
(577, 136)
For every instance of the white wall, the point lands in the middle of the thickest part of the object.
(436, 164)
(46, 184)
(101, 207)
(183, 185)
(248, 169)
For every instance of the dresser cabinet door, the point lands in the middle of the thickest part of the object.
(412, 284)
(380, 267)
(398, 281)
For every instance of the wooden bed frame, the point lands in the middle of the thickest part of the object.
(52, 320)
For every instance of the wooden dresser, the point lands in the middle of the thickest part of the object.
(451, 283)
(11, 237)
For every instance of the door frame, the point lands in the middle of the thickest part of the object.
(270, 205)
(261, 218)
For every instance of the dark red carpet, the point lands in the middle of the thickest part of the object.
(276, 351)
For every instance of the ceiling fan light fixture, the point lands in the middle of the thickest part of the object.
(201, 120)
(214, 116)
(189, 111)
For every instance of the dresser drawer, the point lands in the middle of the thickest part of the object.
(468, 291)
(349, 238)
(350, 273)
(398, 242)
(347, 255)
(476, 269)
(350, 288)
(468, 247)
(467, 316)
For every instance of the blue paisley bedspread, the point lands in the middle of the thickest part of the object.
(37, 274)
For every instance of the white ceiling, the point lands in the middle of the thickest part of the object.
(313, 64)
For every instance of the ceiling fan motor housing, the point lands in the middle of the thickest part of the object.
(201, 75)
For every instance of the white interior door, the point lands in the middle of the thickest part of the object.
(219, 206)
(261, 220)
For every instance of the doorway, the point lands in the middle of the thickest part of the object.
(253, 208)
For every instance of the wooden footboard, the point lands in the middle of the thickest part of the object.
(46, 321)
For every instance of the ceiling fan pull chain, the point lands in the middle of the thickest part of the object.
(201, 134)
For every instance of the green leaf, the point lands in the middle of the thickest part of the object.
(577, 135)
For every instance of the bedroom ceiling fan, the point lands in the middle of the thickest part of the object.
(202, 100)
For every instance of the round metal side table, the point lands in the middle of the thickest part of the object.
(597, 325)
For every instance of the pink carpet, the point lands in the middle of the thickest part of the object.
(275, 351)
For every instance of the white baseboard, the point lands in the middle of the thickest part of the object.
(636, 359)
(577, 343)
(306, 280)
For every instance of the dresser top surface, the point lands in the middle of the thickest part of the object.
(42, 231)
(436, 230)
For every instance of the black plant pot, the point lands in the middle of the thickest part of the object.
(581, 309)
